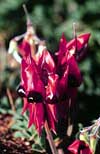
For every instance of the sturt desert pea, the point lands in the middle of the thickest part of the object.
(68, 55)
(68, 70)
(76, 46)
(44, 83)
(37, 69)
(79, 147)
(34, 96)
(67, 76)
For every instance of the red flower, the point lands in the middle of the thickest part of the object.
(24, 48)
(76, 46)
(46, 65)
(62, 48)
(38, 99)
(79, 147)
(47, 87)
(68, 55)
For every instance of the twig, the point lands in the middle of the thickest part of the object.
(70, 126)
(29, 23)
(11, 100)
(25, 10)
(50, 139)
(74, 30)
(74, 33)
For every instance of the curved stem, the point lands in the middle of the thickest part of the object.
(50, 139)
(75, 35)
(11, 100)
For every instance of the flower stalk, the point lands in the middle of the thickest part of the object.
(50, 138)
(11, 100)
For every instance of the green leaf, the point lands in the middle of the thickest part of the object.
(38, 148)
(18, 134)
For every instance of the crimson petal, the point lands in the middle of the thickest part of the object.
(74, 72)
(79, 146)
(25, 107)
(24, 48)
(46, 66)
(78, 46)
(30, 77)
(51, 89)
(74, 147)
(62, 47)
(31, 114)
(39, 116)
(63, 82)
(51, 112)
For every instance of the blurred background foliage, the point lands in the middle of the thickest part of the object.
(51, 18)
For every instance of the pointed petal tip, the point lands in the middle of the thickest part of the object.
(30, 124)
(54, 131)
(24, 109)
(86, 36)
(63, 38)
(63, 34)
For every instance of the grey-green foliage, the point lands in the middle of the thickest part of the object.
(20, 127)
(21, 130)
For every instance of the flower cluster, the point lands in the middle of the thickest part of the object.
(49, 83)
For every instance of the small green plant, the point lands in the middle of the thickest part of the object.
(30, 134)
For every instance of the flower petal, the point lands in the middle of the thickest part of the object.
(78, 46)
(31, 114)
(51, 112)
(36, 116)
(74, 147)
(30, 78)
(74, 71)
(64, 106)
(62, 48)
(46, 66)
(63, 82)
(79, 146)
(25, 107)
(74, 75)
(24, 48)
(51, 89)
(39, 116)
